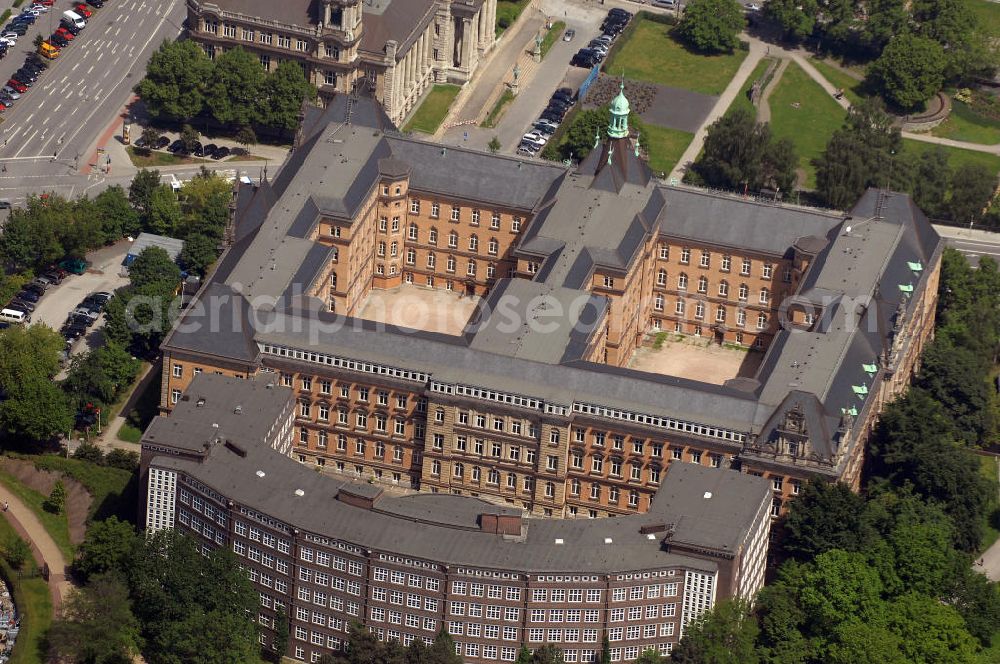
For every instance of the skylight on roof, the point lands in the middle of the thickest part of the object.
(860, 390)
(915, 266)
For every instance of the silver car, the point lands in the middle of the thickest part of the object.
(11, 92)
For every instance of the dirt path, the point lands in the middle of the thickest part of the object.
(763, 106)
(43, 547)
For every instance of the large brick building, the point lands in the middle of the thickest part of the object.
(392, 49)
(548, 418)
(331, 551)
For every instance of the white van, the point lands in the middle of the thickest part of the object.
(12, 316)
(73, 20)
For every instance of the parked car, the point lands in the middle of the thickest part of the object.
(18, 304)
(34, 288)
(84, 313)
(43, 282)
(162, 142)
(569, 34)
(74, 265)
(221, 153)
(28, 296)
(55, 278)
(209, 150)
(101, 296)
(58, 40)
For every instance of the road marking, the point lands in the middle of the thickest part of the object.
(63, 79)
(118, 30)
(92, 69)
(27, 120)
(56, 109)
(25, 144)
(75, 66)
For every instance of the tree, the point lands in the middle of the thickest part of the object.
(281, 632)
(106, 548)
(199, 253)
(204, 201)
(116, 217)
(857, 642)
(977, 600)
(57, 498)
(605, 650)
(858, 155)
(150, 135)
(97, 625)
(712, 26)
(958, 379)
(36, 409)
(153, 266)
(910, 70)
(724, 635)
(930, 181)
(246, 137)
(100, 376)
(741, 154)
(972, 188)
(930, 632)
(280, 103)
(548, 654)
(174, 86)
(140, 192)
(164, 214)
(650, 656)
(38, 40)
(825, 516)
(886, 18)
(17, 552)
(191, 607)
(124, 459)
(494, 145)
(189, 137)
(796, 18)
(235, 87)
(90, 453)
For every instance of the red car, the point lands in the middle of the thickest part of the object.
(82, 10)
(47, 3)
(17, 85)
(65, 34)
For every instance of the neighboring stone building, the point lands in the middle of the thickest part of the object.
(549, 419)
(392, 49)
(331, 551)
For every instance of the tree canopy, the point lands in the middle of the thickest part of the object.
(712, 26)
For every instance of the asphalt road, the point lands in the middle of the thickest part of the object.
(72, 102)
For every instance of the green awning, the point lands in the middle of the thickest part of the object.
(906, 288)
(870, 369)
(852, 411)
(860, 389)
(916, 267)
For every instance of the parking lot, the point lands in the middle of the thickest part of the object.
(103, 274)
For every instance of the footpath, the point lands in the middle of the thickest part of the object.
(43, 548)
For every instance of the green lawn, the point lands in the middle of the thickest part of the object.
(498, 108)
(109, 487)
(433, 109)
(850, 85)
(34, 604)
(810, 124)
(988, 469)
(129, 434)
(156, 158)
(557, 30)
(987, 16)
(507, 13)
(964, 124)
(665, 146)
(742, 100)
(957, 156)
(648, 52)
(55, 524)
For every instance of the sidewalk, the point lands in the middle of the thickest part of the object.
(757, 51)
(990, 558)
(43, 547)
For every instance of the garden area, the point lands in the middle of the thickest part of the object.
(742, 100)
(507, 13)
(977, 121)
(649, 50)
(157, 158)
(433, 109)
(664, 146)
(956, 156)
(804, 113)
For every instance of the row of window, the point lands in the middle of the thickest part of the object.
(721, 312)
(743, 291)
(725, 262)
(456, 215)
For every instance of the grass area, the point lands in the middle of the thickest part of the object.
(742, 100)
(803, 112)
(507, 13)
(988, 469)
(987, 16)
(55, 524)
(554, 33)
(498, 108)
(129, 433)
(851, 86)
(5, 16)
(964, 124)
(956, 156)
(156, 158)
(34, 605)
(991, 655)
(109, 487)
(433, 109)
(665, 146)
(649, 52)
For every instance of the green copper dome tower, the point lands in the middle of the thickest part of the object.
(618, 127)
